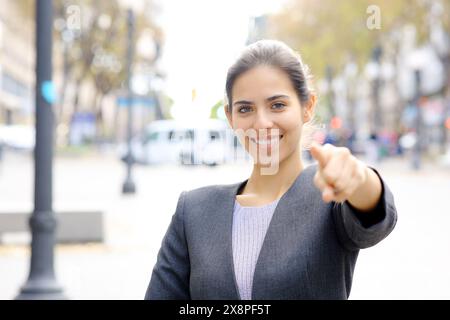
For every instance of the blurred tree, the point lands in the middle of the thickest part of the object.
(96, 51)
(26, 8)
(215, 109)
(326, 31)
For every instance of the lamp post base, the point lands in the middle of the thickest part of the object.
(416, 163)
(44, 289)
(128, 187)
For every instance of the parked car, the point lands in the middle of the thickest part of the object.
(177, 142)
(17, 137)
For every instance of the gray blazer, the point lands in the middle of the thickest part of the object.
(309, 251)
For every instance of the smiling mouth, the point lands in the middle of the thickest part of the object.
(266, 142)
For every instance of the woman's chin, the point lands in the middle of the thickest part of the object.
(267, 159)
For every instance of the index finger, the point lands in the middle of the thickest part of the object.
(320, 153)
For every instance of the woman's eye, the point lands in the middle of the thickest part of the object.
(243, 108)
(278, 105)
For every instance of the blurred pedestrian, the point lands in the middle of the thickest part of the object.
(372, 150)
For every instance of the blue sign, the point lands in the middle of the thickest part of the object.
(48, 92)
(143, 101)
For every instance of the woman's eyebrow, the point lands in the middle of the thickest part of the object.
(275, 97)
(242, 102)
(278, 96)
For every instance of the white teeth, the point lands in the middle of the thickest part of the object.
(267, 141)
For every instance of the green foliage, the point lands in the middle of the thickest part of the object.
(215, 109)
(328, 32)
(98, 51)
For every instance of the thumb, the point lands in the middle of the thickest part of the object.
(318, 153)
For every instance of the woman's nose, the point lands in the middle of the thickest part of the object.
(262, 121)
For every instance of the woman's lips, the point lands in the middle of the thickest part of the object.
(267, 141)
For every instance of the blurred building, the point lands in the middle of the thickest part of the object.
(257, 29)
(16, 63)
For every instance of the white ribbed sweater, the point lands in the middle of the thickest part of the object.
(250, 225)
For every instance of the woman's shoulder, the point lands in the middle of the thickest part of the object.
(201, 204)
(211, 193)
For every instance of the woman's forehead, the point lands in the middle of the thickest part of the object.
(262, 82)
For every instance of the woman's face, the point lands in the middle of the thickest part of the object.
(265, 106)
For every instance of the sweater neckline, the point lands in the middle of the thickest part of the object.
(257, 207)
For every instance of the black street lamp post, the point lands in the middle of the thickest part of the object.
(376, 83)
(416, 156)
(41, 282)
(129, 186)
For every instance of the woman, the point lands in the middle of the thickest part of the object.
(288, 231)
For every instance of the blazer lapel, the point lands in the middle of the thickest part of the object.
(225, 225)
(282, 217)
(275, 230)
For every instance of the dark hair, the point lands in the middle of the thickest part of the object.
(271, 53)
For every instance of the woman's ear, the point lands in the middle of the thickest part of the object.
(308, 110)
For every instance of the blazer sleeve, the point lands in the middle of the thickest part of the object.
(170, 276)
(359, 230)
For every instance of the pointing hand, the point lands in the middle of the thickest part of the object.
(339, 173)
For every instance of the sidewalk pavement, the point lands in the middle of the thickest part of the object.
(412, 263)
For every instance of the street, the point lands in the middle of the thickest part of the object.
(411, 263)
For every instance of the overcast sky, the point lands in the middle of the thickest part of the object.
(201, 40)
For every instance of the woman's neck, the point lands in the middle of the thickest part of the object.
(275, 185)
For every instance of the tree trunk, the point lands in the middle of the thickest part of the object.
(158, 107)
(75, 107)
(116, 123)
(100, 125)
(446, 101)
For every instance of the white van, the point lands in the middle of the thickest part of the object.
(209, 142)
